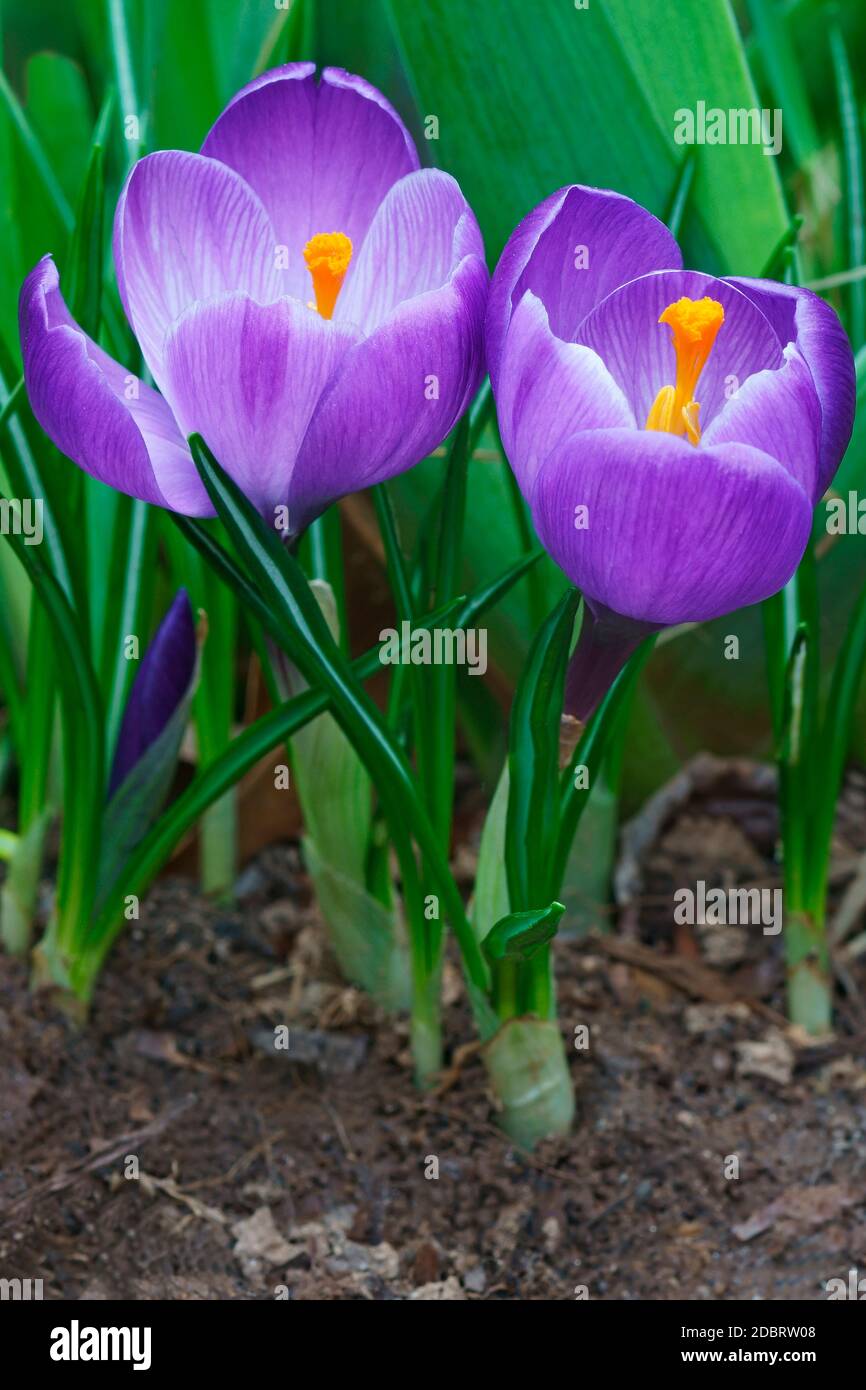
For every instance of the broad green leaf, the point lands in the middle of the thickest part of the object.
(332, 785)
(185, 97)
(528, 99)
(490, 898)
(369, 941)
(60, 109)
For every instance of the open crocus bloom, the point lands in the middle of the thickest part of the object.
(305, 296)
(670, 431)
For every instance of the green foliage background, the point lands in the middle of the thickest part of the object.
(528, 94)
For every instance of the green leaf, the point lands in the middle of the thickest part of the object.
(36, 160)
(59, 109)
(125, 75)
(333, 786)
(368, 939)
(82, 767)
(773, 37)
(137, 800)
(83, 281)
(186, 97)
(126, 584)
(832, 747)
(793, 758)
(606, 724)
(850, 122)
(303, 633)
(253, 744)
(490, 898)
(213, 706)
(533, 759)
(520, 935)
(20, 886)
(589, 95)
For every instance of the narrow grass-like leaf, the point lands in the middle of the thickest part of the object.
(533, 760)
(773, 36)
(850, 121)
(124, 71)
(84, 275)
(303, 632)
(36, 155)
(256, 742)
(836, 736)
(82, 773)
(604, 727)
(677, 207)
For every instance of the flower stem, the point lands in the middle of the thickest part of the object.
(810, 986)
(218, 846)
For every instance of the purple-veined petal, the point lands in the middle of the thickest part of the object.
(162, 681)
(548, 390)
(638, 350)
(320, 155)
(247, 377)
(572, 251)
(801, 317)
(186, 229)
(421, 232)
(779, 413)
(396, 394)
(99, 414)
(674, 533)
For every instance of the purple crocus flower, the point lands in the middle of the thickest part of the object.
(305, 296)
(670, 431)
(163, 681)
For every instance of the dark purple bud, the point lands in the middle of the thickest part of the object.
(162, 681)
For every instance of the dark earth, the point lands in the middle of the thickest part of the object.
(168, 1151)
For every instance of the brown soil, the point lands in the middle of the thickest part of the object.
(264, 1173)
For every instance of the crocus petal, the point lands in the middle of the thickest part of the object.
(321, 156)
(396, 394)
(801, 317)
(572, 251)
(162, 680)
(99, 414)
(674, 534)
(777, 412)
(186, 229)
(247, 377)
(548, 390)
(419, 235)
(638, 350)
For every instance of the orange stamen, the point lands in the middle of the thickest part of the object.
(327, 255)
(694, 324)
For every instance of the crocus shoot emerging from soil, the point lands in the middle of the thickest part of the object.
(142, 770)
(670, 431)
(307, 299)
(310, 304)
